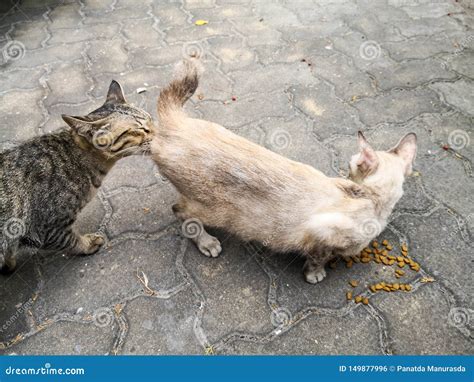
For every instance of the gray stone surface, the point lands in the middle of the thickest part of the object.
(298, 77)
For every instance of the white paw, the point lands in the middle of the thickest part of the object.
(209, 245)
(315, 276)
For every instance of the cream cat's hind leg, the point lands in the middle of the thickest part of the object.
(193, 229)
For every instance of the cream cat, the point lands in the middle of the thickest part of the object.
(229, 182)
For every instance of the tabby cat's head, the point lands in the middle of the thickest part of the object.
(117, 129)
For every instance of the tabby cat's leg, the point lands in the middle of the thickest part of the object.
(193, 229)
(313, 269)
(8, 257)
(75, 244)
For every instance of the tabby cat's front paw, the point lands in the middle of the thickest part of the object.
(94, 242)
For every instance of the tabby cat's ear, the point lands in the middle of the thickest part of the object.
(81, 125)
(115, 93)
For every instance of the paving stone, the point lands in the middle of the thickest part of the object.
(48, 55)
(319, 334)
(256, 107)
(411, 74)
(151, 211)
(257, 32)
(195, 33)
(436, 243)
(67, 338)
(330, 115)
(158, 326)
(11, 80)
(86, 33)
(234, 287)
(95, 283)
(169, 15)
(67, 84)
(461, 63)
(18, 298)
(65, 16)
(295, 140)
(271, 78)
(398, 105)
(140, 33)
(406, 315)
(108, 56)
(31, 34)
(20, 123)
(231, 52)
(458, 94)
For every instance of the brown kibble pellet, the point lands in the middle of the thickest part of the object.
(389, 247)
(400, 272)
(349, 264)
(373, 288)
(407, 287)
(399, 258)
(378, 286)
(391, 262)
(402, 286)
(404, 253)
(407, 261)
(365, 301)
(377, 260)
(387, 289)
(349, 296)
(401, 264)
(385, 252)
(404, 248)
(353, 283)
(391, 257)
(358, 299)
(396, 286)
(367, 250)
(385, 242)
(365, 259)
(375, 244)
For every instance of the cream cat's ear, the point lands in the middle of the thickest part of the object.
(368, 160)
(406, 149)
(115, 93)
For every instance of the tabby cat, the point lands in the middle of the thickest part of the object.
(46, 181)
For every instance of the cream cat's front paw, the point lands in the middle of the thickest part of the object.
(315, 277)
(208, 245)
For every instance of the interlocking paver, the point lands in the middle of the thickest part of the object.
(299, 78)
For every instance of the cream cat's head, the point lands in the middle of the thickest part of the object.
(117, 128)
(384, 169)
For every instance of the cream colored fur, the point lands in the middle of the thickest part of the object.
(229, 182)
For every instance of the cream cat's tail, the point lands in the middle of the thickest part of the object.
(173, 97)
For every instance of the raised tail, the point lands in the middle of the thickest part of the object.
(173, 97)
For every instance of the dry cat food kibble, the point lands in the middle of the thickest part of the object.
(381, 255)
